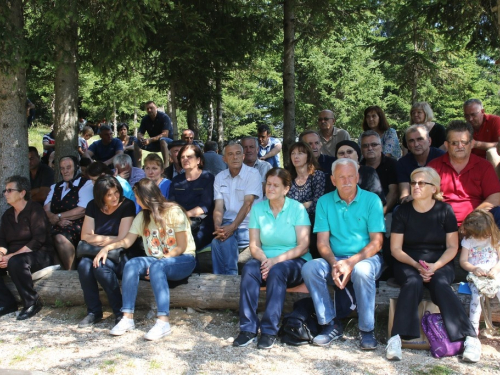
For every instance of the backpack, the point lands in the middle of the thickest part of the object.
(434, 329)
(301, 325)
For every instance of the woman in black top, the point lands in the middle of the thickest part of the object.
(25, 247)
(108, 218)
(424, 242)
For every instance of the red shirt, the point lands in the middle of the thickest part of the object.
(488, 132)
(466, 190)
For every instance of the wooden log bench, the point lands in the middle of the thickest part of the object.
(202, 291)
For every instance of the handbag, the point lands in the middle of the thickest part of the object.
(486, 286)
(86, 250)
(441, 346)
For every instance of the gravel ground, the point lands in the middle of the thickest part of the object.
(201, 343)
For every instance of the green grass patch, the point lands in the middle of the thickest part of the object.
(154, 365)
(60, 304)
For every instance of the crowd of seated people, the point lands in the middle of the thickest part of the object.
(322, 222)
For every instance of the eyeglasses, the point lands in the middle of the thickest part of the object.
(9, 190)
(368, 145)
(420, 184)
(321, 119)
(457, 143)
(342, 153)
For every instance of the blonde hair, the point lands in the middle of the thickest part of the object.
(433, 178)
(424, 106)
(481, 224)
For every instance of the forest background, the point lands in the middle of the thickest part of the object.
(223, 67)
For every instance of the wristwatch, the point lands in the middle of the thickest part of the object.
(59, 217)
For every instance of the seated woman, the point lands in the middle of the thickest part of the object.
(65, 207)
(153, 167)
(170, 255)
(108, 218)
(279, 238)
(421, 113)
(25, 247)
(374, 119)
(424, 242)
(368, 177)
(194, 191)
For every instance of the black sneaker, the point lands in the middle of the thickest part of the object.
(266, 341)
(328, 334)
(367, 340)
(244, 339)
(89, 320)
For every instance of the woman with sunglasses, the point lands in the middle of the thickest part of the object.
(424, 242)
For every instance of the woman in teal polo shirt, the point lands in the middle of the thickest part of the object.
(279, 240)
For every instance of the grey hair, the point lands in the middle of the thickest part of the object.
(415, 128)
(122, 160)
(252, 138)
(370, 133)
(22, 183)
(231, 143)
(473, 101)
(344, 161)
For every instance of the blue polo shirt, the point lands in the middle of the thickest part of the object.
(408, 164)
(277, 235)
(104, 152)
(349, 225)
(157, 126)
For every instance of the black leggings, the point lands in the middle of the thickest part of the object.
(406, 320)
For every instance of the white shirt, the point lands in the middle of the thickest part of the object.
(234, 189)
(85, 194)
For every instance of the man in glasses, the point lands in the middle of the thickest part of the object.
(371, 149)
(421, 153)
(486, 132)
(329, 134)
(468, 182)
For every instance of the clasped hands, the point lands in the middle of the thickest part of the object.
(224, 232)
(427, 273)
(265, 267)
(4, 260)
(341, 272)
(478, 271)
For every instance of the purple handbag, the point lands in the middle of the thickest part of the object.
(441, 346)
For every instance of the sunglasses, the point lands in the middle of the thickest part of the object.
(320, 119)
(420, 184)
(9, 190)
(372, 145)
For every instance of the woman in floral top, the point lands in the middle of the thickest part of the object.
(170, 255)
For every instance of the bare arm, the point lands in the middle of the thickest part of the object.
(125, 242)
(275, 151)
(480, 145)
(195, 212)
(391, 198)
(398, 253)
(182, 240)
(404, 192)
(103, 240)
(218, 213)
(110, 161)
(491, 201)
(243, 212)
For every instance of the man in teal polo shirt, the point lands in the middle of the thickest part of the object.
(350, 227)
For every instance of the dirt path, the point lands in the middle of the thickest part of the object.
(201, 343)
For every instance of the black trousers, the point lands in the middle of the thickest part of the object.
(406, 320)
(20, 268)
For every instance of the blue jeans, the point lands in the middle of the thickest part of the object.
(317, 273)
(225, 253)
(154, 146)
(282, 275)
(160, 271)
(107, 276)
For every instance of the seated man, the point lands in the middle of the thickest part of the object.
(269, 147)
(486, 132)
(250, 148)
(124, 169)
(468, 181)
(371, 148)
(235, 191)
(175, 167)
(214, 162)
(106, 148)
(421, 153)
(330, 134)
(159, 127)
(350, 226)
(41, 177)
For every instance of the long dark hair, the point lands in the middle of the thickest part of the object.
(383, 125)
(102, 185)
(312, 163)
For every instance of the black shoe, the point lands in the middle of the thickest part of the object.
(266, 341)
(244, 339)
(89, 320)
(4, 310)
(28, 312)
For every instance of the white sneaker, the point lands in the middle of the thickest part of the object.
(124, 325)
(393, 349)
(472, 352)
(159, 330)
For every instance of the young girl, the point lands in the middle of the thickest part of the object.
(87, 133)
(480, 254)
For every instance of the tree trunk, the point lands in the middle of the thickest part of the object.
(288, 77)
(192, 118)
(211, 121)
(173, 111)
(220, 124)
(115, 130)
(13, 125)
(66, 84)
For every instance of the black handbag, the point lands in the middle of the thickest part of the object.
(86, 250)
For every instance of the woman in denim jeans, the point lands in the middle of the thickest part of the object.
(170, 255)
